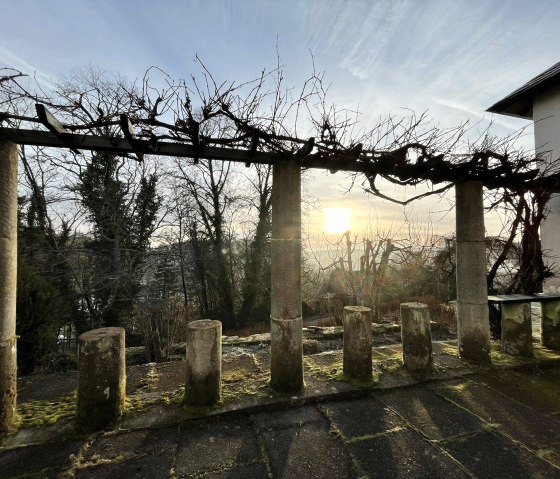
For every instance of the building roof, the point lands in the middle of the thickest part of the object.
(520, 102)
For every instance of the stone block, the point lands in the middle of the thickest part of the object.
(550, 324)
(517, 334)
(357, 342)
(286, 354)
(416, 337)
(101, 378)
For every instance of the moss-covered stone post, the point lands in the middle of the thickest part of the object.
(8, 284)
(517, 329)
(416, 337)
(550, 324)
(473, 328)
(203, 381)
(286, 324)
(357, 343)
(101, 378)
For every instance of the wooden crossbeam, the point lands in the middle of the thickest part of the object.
(444, 172)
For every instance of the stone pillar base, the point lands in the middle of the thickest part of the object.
(203, 383)
(550, 324)
(286, 354)
(8, 388)
(517, 331)
(357, 343)
(416, 337)
(101, 378)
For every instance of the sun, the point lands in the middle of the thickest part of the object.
(337, 220)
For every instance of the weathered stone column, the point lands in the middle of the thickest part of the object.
(286, 343)
(473, 327)
(416, 337)
(101, 378)
(517, 330)
(550, 324)
(8, 284)
(203, 382)
(356, 362)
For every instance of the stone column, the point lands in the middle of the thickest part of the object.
(203, 382)
(8, 284)
(101, 378)
(416, 337)
(286, 344)
(473, 328)
(357, 342)
(517, 330)
(550, 324)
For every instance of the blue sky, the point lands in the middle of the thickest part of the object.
(454, 58)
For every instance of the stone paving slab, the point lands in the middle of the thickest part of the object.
(361, 417)
(404, 454)
(213, 445)
(531, 427)
(307, 452)
(490, 455)
(432, 415)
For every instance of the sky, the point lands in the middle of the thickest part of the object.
(452, 58)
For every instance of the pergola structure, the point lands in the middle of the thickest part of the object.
(286, 369)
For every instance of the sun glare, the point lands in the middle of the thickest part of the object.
(337, 220)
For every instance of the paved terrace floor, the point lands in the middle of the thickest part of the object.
(462, 422)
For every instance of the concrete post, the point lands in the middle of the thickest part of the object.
(357, 342)
(416, 337)
(101, 378)
(203, 382)
(473, 328)
(286, 345)
(8, 284)
(517, 331)
(550, 324)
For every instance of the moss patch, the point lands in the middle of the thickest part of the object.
(42, 413)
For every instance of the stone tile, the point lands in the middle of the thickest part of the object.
(109, 446)
(492, 455)
(211, 445)
(536, 388)
(286, 418)
(431, 414)
(22, 460)
(361, 417)
(145, 467)
(307, 452)
(251, 471)
(403, 454)
(534, 429)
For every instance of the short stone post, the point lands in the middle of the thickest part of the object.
(203, 382)
(286, 323)
(101, 378)
(416, 337)
(550, 324)
(473, 327)
(8, 284)
(517, 331)
(357, 342)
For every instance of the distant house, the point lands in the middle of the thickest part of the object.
(539, 100)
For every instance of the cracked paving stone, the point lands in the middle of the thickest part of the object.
(492, 455)
(145, 467)
(362, 417)
(211, 445)
(403, 455)
(109, 446)
(251, 471)
(307, 452)
(434, 416)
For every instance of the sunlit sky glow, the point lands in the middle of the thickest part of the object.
(337, 220)
(453, 58)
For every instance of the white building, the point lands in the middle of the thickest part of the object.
(539, 100)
